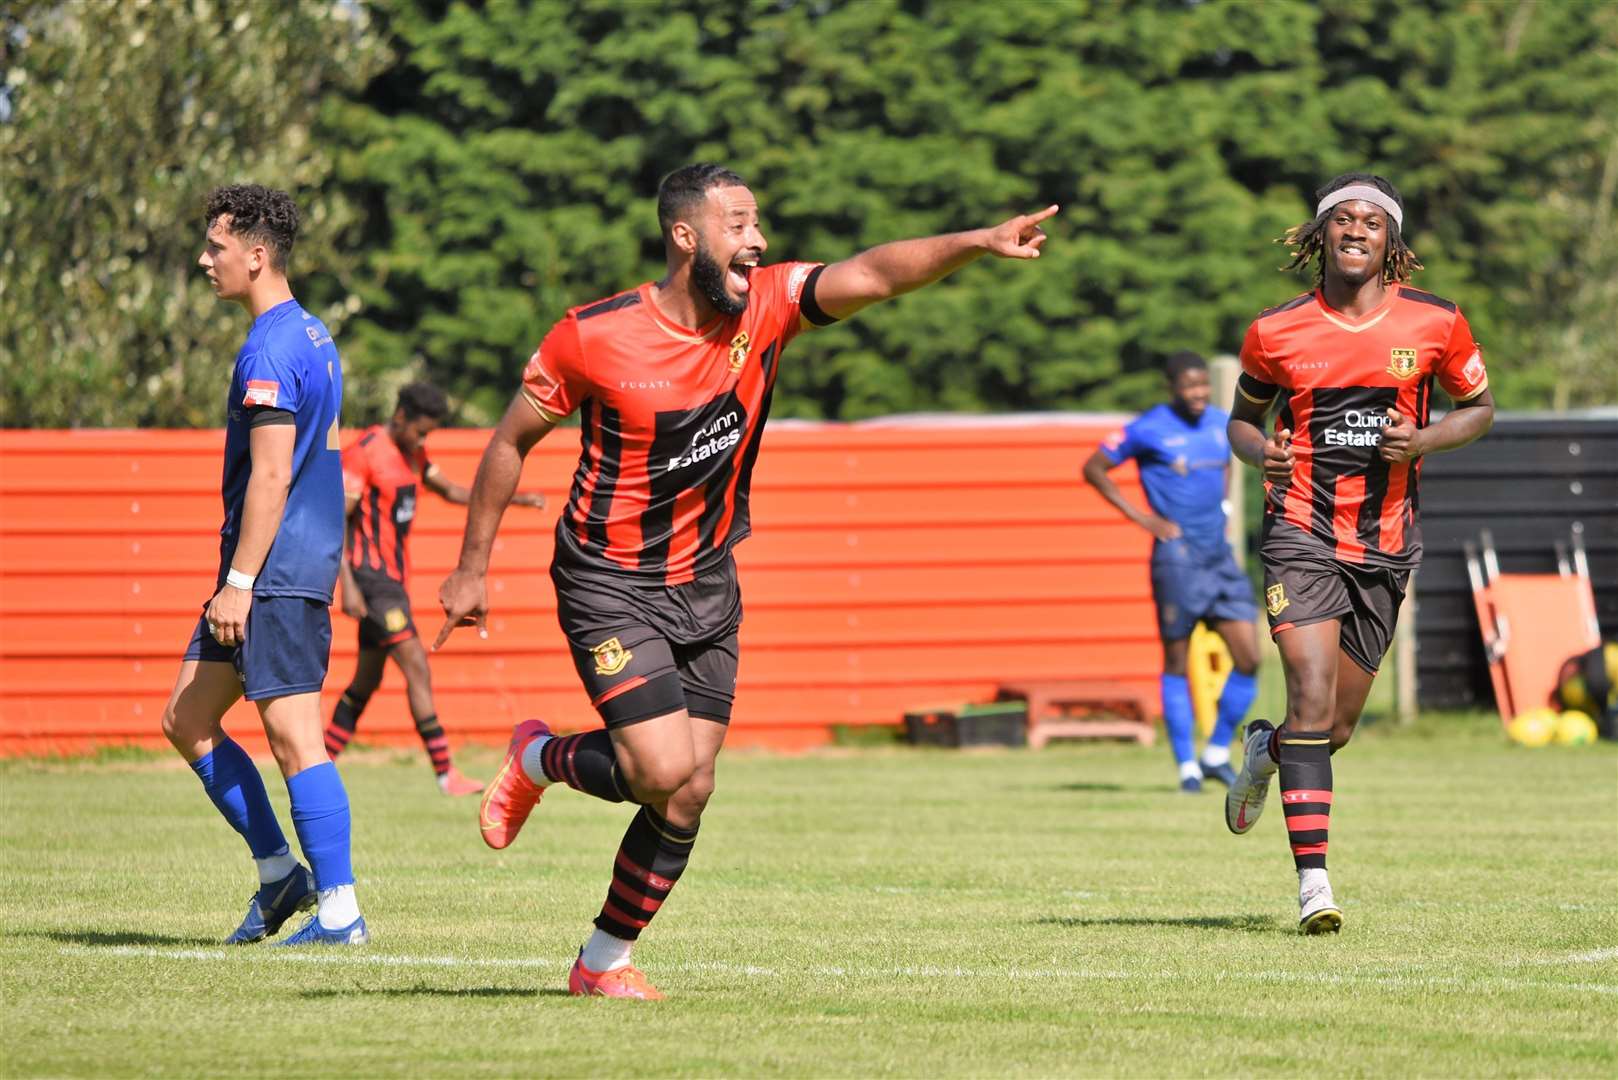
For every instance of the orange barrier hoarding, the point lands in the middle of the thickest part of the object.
(893, 564)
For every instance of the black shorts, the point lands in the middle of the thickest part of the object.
(1304, 583)
(648, 650)
(388, 619)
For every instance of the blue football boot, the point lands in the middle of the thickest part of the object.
(274, 904)
(1225, 774)
(312, 933)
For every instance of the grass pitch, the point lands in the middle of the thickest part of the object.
(857, 912)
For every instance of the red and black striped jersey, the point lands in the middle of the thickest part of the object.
(1338, 377)
(670, 420)
(376, 472)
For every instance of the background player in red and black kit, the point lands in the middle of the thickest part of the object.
(1351, 365)
(672, 381)
(380, 470)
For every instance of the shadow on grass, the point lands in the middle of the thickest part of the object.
(1253, 924)
(112, 937)
(440, 991)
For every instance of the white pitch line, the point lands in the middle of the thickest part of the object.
(343, 958)
(1594, 956)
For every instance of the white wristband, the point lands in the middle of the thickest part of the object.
(238, 580)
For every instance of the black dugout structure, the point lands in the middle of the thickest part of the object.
(1534, 481)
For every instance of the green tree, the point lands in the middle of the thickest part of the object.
(118, 117)
(510, 156)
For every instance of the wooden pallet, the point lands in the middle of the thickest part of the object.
(1084, 709)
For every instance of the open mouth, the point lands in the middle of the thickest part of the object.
(737, 277)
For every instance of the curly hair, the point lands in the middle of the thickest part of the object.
(423, 399)
(260, 215)
(1309, 238)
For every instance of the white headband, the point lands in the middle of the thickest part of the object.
(1374, 195)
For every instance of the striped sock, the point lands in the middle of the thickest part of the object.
(650, 860)
(344, 719)
(585, 762)
(437, 744)
(1306, 794)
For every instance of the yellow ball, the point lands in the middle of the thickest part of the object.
(1574, 728)
(1533, 728)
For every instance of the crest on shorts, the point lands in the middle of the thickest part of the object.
(395, 620)
(1275, 599)
(1402, 365)
(611, 657)
(738, 350)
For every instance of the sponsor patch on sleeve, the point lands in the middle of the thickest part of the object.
(795, 280)
(264, 392)
(1113, 441)
(1473, 371)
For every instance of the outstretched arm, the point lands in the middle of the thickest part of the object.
(451, 492)
(890, 270)
(463, 594)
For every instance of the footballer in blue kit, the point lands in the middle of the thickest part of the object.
(1183, 455)
(266, 632)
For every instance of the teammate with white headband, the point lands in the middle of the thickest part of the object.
(1351, 366)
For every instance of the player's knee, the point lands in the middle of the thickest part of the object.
(656, 782)
(693, 797)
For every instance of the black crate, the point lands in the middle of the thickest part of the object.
(1000, 723)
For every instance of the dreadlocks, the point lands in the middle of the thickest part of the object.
(1309, 238)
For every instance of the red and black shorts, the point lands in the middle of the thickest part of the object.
(388, 620)
(648, 650)
(1304, 583)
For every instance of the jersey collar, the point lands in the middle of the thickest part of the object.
(1363, 323)
(709, 332)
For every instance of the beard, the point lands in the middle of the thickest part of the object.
(709, 277)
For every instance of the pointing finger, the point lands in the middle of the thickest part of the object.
(443, 634)
(1040, 215)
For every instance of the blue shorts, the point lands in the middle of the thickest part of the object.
(284, 652)
(1191, 586)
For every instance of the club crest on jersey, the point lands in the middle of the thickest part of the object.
(1275, 599)
(611, 657)
(738, 350)
(395, 620)
(1403, 364)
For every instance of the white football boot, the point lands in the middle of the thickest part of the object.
(1244, 802)
(1318, 913)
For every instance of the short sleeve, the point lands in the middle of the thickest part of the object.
(1460, 369)
(789, 291)
(554, 381)
(1257, 383)
(356, 469)
(1125, 443)
(271, 381)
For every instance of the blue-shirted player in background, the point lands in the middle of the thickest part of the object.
(1184, 460)
(266, 633)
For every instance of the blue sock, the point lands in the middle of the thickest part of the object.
(320, 815)
(1234, 701)
(1178, 717)
(232, 781)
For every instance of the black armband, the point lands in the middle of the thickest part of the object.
(261, 415)
(1256, 390)
(808, 305)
